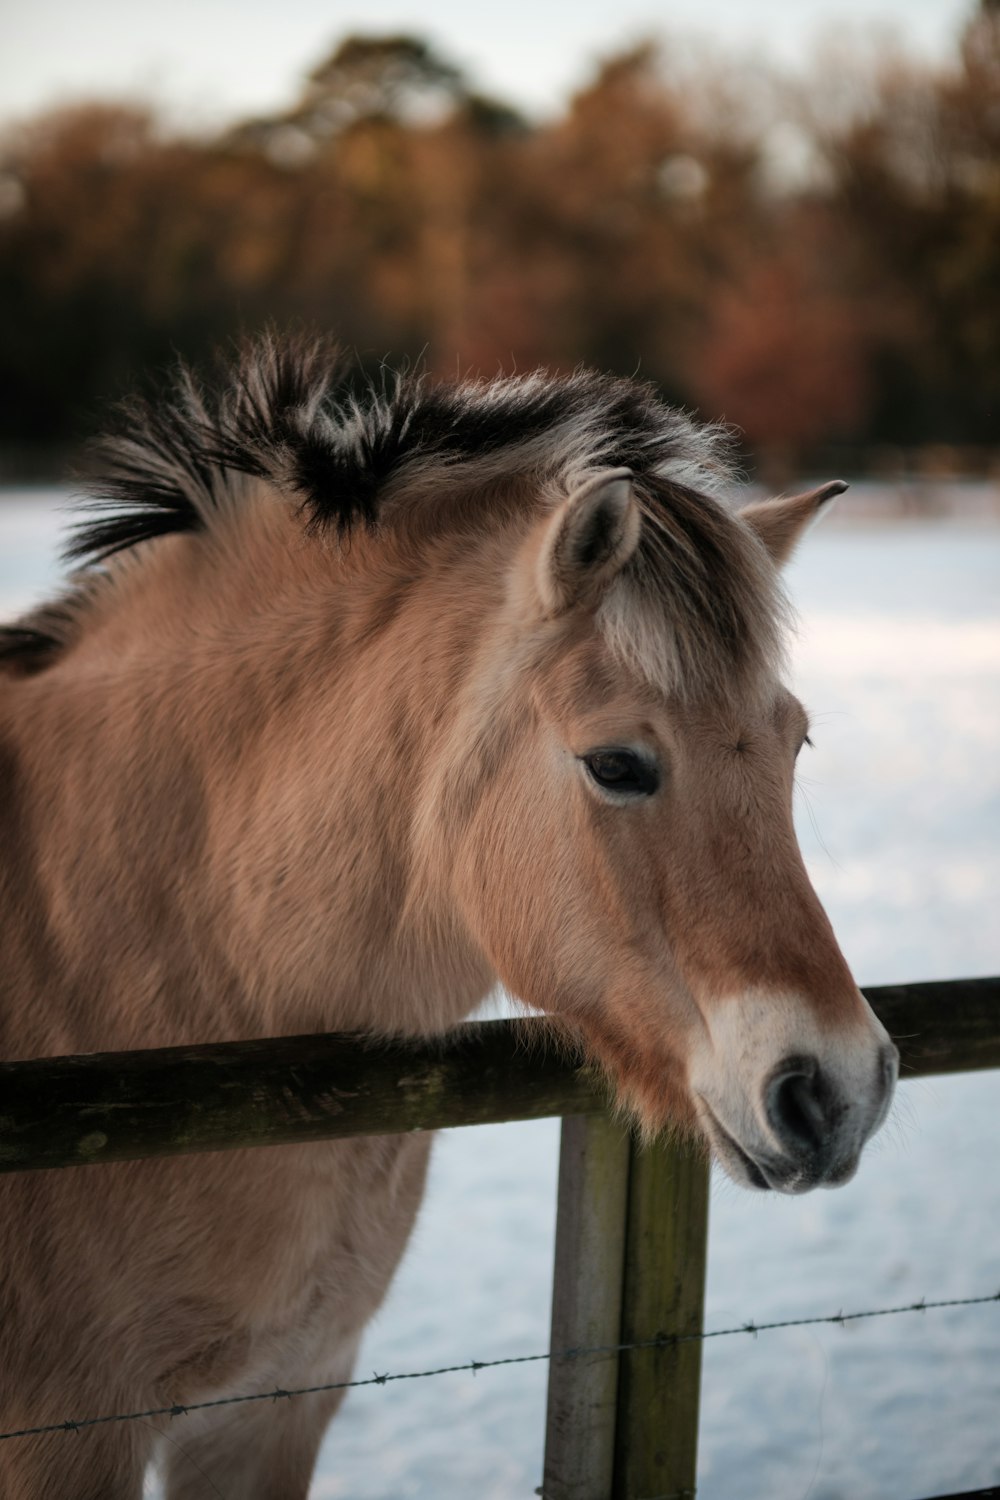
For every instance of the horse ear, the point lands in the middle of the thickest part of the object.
(588, 541)
(781, 523)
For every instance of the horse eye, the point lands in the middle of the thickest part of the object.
(622, 771)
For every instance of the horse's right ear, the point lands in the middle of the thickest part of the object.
(588, 541)
(781, 523)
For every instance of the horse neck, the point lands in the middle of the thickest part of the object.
(222, 805)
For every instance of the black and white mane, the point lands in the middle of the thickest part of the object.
(285, 411)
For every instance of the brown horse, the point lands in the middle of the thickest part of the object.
(360, 705)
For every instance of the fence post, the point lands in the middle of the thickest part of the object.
(656, 1432)
(586, 1308)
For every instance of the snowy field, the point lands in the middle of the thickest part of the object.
(898, 658)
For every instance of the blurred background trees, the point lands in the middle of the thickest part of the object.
(817, 263)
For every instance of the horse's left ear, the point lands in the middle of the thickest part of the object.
(588, 541)
(781, 523)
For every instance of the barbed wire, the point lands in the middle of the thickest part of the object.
(473, 1366)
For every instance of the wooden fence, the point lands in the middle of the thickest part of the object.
(631, 1234)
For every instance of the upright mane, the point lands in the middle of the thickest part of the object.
(412, 451)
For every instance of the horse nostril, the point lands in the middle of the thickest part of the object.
(797, 1105)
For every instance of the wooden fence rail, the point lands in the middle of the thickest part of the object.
(632, 1222)
(122, 1106)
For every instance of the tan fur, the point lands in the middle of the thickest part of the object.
(780, 523)
(272, 785)
(589, 541)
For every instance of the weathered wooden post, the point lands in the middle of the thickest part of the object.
(663, 1292)
(586, 1308)
(631, 1241)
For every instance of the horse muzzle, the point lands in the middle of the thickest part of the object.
(804, 1126)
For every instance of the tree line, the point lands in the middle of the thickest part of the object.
(816, 260)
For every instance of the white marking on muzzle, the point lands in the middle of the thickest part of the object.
(786, 1103)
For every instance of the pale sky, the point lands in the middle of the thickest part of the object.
(213, 60)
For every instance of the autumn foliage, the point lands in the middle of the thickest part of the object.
(815, 263)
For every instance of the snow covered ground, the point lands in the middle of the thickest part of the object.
(898, 659)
